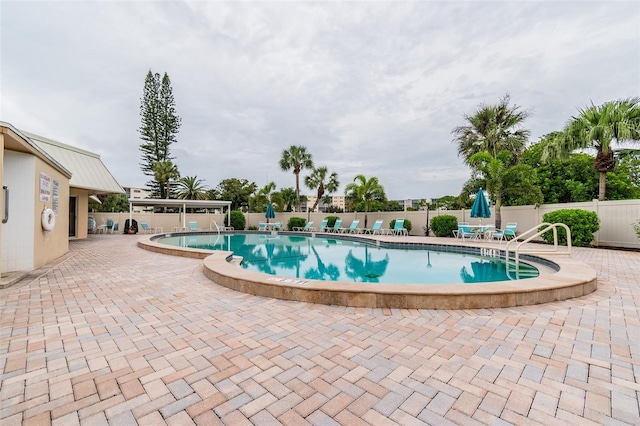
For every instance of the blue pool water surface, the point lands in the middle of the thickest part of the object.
(333, 259)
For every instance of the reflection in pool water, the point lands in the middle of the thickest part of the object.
(332, 259)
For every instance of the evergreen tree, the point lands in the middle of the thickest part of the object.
(159, 127)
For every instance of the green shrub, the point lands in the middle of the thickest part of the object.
(406, 225)
(296, 222)
(443, 226)
(238, 220)
(331, 220)
(582, 224)
(252, 228)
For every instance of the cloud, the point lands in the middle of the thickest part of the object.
(372, 88)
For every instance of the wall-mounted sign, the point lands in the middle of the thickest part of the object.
(56, 195)
(45, 187)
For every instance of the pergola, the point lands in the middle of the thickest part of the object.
(181, 204)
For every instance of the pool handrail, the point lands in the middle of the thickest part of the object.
(536, 232)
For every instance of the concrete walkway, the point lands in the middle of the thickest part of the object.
(112, 334)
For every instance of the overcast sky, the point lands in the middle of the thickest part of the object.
(371, 88)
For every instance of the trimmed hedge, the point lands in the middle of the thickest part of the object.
(238, 220)
(443, 226)
(582, 224)
(331, 220)
(296, 222)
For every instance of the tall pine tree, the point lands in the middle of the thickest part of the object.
(159, 127)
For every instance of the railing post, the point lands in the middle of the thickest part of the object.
(596, 207)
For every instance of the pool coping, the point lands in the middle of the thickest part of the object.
(572, 279)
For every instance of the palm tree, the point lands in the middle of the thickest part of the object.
(319, 179)
(191, 188)
(493, 171)
(164, 172)
(598, 127)
(285, 198)
(366, 191)
(261, 199)
(296, 158)
(492, 129)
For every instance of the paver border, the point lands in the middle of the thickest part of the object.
(571, 279)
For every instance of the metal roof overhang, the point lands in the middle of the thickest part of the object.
(15, 140)
(182, 204)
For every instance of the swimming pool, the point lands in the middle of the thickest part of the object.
(324, 257)
(559, 279)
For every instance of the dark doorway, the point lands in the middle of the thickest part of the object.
(72, 216)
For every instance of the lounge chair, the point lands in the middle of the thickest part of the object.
(375, 229)
(306, 227)
(221, 228)
(193, 226)
(508, 233)
(352, 229)
(146, 229)
(322, 227)
(262, 226)
(398, 228)
(336, 226)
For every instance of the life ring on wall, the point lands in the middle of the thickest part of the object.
(48, 219)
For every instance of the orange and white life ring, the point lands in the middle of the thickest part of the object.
(48, 219)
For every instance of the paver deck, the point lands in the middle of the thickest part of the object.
(113, 334)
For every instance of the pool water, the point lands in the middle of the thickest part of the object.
(335, 259)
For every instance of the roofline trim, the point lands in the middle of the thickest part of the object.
(36, 148)
(61, 145)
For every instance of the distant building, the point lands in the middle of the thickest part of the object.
(413, 204)
(337, 201)
(138, 194)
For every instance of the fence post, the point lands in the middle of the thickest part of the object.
(595, 209)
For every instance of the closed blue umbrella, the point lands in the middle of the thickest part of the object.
(480, 206)
(271, 213)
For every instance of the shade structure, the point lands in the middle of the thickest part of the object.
(270, 213)
(480, 206)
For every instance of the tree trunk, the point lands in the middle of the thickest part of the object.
(297, 192)
(498, 214)
(602, 189)
(604, 162)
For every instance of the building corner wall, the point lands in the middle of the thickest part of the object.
(50, 245)
(18, 233)
(2, 200)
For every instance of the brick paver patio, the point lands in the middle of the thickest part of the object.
(112, 334)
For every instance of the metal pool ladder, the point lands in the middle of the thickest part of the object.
(534, 233)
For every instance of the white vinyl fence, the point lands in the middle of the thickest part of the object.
(616, 219)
